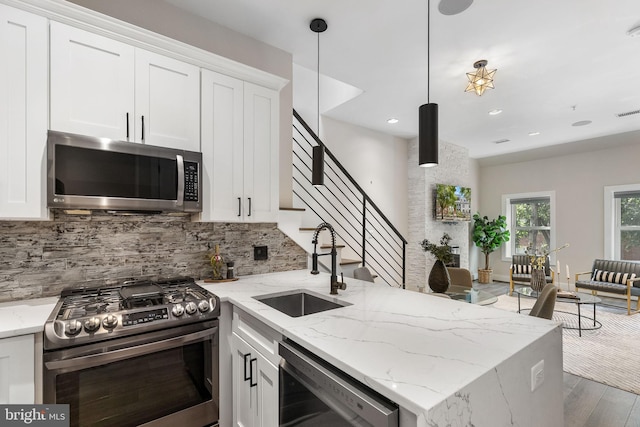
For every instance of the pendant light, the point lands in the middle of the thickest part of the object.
(318, 25)
(428, 117)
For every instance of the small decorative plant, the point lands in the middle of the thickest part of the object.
(539, 257)
(489, 235)
(441, 252)
(216, 263)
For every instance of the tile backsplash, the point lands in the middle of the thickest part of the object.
(39, 259)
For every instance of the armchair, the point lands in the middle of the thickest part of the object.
(520, 271)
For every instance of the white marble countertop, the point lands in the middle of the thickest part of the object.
(414, 348)
(25, 317)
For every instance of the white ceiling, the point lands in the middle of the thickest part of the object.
(558, 61)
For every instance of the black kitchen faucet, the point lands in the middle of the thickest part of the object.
(335, 285)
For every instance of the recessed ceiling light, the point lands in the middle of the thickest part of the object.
(501, 141)
(495, 112)
(534, 133)
(393, 121)
(581, 123)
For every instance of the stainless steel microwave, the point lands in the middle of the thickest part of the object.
(85, 172)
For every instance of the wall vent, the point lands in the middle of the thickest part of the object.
(501, 141)
(628, 113)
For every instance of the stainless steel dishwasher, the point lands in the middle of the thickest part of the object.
(315, 393)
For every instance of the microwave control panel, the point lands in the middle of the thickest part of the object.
(190, 181)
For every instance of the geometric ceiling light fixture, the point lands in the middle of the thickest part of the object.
(428, 117)
(318, 25)
(481, 79)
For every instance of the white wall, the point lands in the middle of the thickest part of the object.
(376, 161)
(168, 20)
(578, 181)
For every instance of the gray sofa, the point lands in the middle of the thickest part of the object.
(616, 277)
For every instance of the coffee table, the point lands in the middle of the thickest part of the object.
(578, 301)
(463, 293)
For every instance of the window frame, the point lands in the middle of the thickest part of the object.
(507, 249)
(612, 224)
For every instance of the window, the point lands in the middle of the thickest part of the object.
(530, 217)
(622, 222)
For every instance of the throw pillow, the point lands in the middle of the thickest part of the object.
(523, 269)
(612, 276)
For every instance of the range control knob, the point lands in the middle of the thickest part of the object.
(203, 306)
(177, 310)
(92, 324)
(191, 308)
(110, 321)
(73, 328)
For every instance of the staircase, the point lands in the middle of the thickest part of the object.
(364, 234)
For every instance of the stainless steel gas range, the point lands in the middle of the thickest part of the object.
(137, 353)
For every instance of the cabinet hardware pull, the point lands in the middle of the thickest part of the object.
(247, 377)
(249, 214)
(239, 206)
(251, 383)
(127, 126)
(142, 128)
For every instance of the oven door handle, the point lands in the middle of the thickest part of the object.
(92, 360)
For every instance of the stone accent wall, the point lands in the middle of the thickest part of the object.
(39, 259)
(453, 169)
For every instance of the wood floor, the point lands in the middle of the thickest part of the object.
(588, 403)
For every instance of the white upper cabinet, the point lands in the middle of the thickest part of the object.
(240, 150)
(261, 153)
(23, 114)
(167, 102)
(92, 85)
(105, 88)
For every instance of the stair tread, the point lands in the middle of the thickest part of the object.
(293, 209)
(346, 261)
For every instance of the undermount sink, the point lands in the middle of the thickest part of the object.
(300, 302)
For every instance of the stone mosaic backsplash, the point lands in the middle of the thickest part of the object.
(39, 259)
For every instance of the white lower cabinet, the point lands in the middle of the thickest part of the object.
(254, 349)
(17, 370)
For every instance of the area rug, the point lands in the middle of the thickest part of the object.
(609, 355)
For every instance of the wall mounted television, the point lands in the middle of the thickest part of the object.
(452, 203)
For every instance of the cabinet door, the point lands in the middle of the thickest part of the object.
(167, 102)
(17, 378)
(222, 147)
(91, 84)
(23, 114)
(260, 153)
(245, 396)
(267, 393)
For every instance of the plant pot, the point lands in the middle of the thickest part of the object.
(439, 279)
(484, 276)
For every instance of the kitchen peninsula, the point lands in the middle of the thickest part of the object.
(444, 362)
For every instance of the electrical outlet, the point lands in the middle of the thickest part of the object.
(260, 253)
(537, 375)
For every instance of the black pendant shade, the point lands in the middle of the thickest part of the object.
(317, 166)
(428, 135)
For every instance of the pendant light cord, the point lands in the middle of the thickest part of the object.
(318, 86)
(428, 44)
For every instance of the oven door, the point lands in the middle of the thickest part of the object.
(160, 378)
(314, 393)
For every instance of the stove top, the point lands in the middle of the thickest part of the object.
(87, 315)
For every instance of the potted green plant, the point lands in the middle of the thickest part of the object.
(439, 276)
(489, 235)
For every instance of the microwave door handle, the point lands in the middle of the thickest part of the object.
(180, 161)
